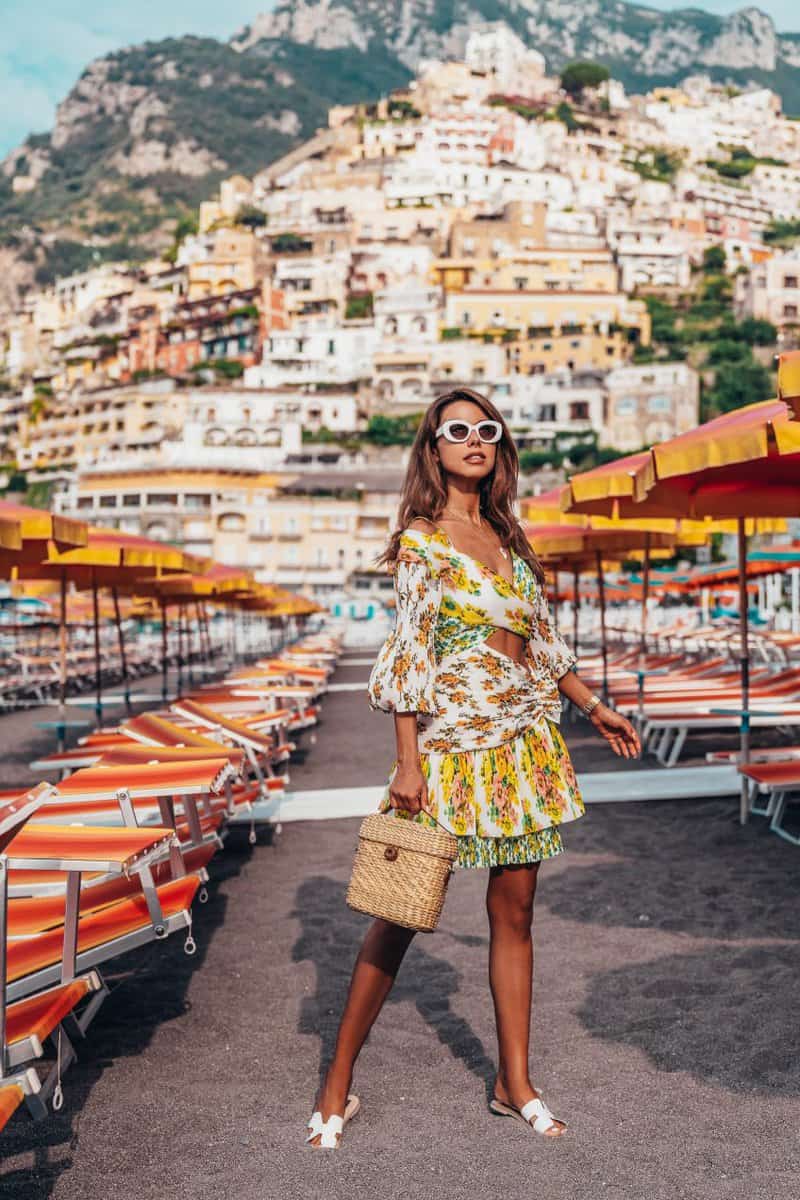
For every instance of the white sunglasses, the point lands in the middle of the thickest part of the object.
(459, 431)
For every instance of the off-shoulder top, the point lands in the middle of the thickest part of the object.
(447, 604)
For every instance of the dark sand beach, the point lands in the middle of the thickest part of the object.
(665, 1030)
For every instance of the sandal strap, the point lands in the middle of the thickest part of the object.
(328, 1129)
(544, 1117)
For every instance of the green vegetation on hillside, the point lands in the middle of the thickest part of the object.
(656, 163)
(578, 77)
(700, 326)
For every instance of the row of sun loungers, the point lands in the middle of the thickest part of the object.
(673, 696)
(113, 854)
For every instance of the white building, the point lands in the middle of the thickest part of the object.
(337, 354)
(649, 403)
(516, 69)
(649, 255)
(771, 290)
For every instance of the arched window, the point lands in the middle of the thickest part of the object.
(232, 522)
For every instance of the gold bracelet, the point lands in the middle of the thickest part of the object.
(590, 705)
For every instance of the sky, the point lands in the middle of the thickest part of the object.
(47, 43)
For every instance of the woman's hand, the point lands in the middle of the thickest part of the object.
(618, 732)
(408, 789)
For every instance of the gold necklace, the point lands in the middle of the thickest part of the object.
(466, 520)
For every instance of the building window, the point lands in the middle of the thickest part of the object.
(790, 281)
(658, 404)
(231, 522)
(579, 410)
(790, 310)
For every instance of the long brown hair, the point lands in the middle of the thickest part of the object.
(424, 492)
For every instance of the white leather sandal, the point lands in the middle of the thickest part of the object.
(331, 1129)
(544, 1119)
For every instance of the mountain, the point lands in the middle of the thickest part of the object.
(147, 132)
(642, 46)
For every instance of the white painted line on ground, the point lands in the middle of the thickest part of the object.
(356, 662)
(361, 685)
(686, 783)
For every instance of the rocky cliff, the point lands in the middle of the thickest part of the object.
(147, 132)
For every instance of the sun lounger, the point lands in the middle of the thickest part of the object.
(14, 1090)
(779, 781)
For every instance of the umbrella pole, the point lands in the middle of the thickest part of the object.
(122, 656)
(576, 575)
(744, 659)
(164, 653)
(62, 664)
(643, 626)
(555, 599)
(601, 596)
(180, 649)
(207, 632)
(98, 680)
(795, 600)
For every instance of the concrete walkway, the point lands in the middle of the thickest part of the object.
(665, 1029)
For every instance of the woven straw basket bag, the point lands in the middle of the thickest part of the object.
(401, 871)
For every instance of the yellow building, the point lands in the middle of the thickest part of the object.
(85, 426)
(218, 513)
(485, 309)
(317, 532)
(235, 261)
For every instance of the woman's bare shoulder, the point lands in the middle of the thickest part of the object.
(422, 525)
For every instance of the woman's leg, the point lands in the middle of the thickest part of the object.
(509, 903)
(374, 973)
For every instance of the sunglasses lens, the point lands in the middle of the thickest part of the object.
(457, 431)
(489, 431)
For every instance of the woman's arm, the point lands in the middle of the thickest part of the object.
(408, 789)
(611, 725)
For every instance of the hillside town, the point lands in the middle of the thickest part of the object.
(608, 268)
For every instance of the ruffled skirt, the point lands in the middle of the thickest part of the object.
(503, 803)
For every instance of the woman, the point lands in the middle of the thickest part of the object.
(474, 674)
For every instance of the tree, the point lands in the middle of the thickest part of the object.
(737, 384)
(392, 431)
(714, 259)
(251, 217)
(578, 76)
(757, 332)
(728, 350)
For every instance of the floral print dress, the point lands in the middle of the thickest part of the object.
(498, 774)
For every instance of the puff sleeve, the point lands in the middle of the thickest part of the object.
(402, 678)
(545, 640)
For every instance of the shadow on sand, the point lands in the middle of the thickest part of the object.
(726, 1015)
(688, 868)
(330, 939)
